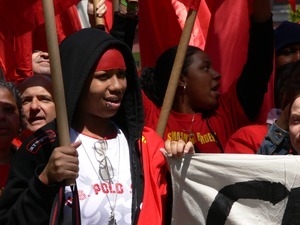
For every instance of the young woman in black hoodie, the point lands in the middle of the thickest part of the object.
(120, 173)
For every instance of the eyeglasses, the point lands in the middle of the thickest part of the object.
(106, 171)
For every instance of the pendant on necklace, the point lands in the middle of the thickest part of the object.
(112, 220)
(191, 135)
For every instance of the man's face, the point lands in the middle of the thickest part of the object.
(294, 125)
(40, 63)
(38, 105)
(288, 54)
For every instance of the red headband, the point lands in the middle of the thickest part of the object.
(111, 59)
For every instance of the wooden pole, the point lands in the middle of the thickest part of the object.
(100, 22)
(176, 70)
(115, 5)
(56, 76)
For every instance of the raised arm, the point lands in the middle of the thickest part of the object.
(125, 19)
(125, 22)
(253, 82)
(261, 10)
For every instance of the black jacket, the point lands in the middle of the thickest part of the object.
(253, 82)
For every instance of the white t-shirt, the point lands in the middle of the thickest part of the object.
(97, 197)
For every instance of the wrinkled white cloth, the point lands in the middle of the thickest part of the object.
(235, 189)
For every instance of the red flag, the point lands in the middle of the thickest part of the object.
(20, 14)
(293, 5)
(192, 4)
(227, 38)
(67, 22)
(23, 30)
(17, 15)
(15, 53)
(157, 34)
(59, 6)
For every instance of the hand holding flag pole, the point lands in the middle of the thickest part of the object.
(56, 76)
(177, 66)
(100, 22)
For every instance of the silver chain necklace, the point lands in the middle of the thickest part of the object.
(189, 131)
(112, 219)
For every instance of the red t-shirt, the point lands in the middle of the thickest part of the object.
(247, 140)
(205, 133)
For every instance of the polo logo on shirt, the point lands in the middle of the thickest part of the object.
(37, 143)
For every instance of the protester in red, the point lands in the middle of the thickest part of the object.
(248, 139)
(200, 113)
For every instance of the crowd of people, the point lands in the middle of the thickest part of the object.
(116, 161)
(248, 139)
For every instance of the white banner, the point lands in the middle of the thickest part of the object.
(218, 189)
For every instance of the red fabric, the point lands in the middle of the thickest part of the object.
(15, 54)
(108, 17)
(23, 57)
(293, 5)
(23, 30)
(221, 29)
(7, 49)
(67, 23)
(227, 119)
(155, 172)
(192, 4)
(111, 59)
(17, 15)
(247, 140)
(154, 38)
(59, 7)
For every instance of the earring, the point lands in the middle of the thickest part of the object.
(184, 88)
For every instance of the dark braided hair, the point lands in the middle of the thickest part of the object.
(154, 81)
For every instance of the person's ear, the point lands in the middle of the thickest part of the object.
(182, 81)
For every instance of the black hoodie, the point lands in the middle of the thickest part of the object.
(25, 199)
